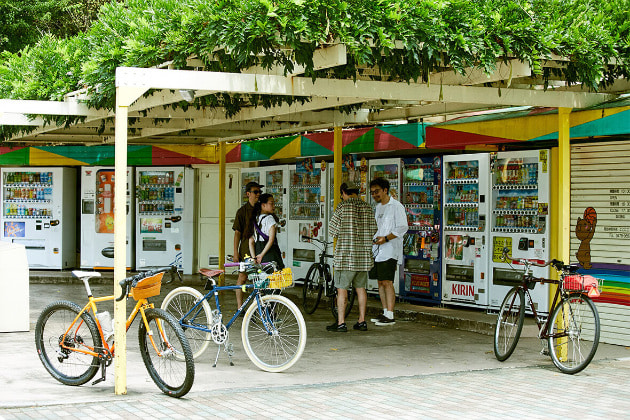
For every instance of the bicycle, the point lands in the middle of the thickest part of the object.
(572, 331)
(273, 330)
(318, 278)
(74, 342)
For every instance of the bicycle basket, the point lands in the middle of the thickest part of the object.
(583, 283)
(260, 279)
(281, 279)
(147, 287)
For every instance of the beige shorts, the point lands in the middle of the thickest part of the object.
(344, 279)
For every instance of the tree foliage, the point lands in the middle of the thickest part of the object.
(405, 40)
(23, 22)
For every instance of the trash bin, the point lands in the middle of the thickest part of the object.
(14, 305)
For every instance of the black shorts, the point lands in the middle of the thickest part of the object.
(384, 270)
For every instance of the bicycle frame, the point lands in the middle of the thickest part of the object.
(91, 306)
(185, 322)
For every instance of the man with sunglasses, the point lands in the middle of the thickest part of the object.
(243, 228)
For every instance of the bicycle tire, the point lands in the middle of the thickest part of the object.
(67, 366)
(577, 320)
(312, 289)
(509, 323)
(173, 374)
(181, 300)
(333, 303)
(281, 347)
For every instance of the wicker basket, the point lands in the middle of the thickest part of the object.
(281, 279)
(147, 287)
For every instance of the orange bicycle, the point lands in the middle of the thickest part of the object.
(73, 342)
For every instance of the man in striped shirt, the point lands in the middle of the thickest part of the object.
(353, 225)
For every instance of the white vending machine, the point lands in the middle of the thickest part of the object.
(97, 218)
(307, 213)
(39, 212)
(390, 169)
(520, 221)
(466, 230)
(275, 180)
(165, 211)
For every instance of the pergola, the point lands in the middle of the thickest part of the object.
(143, 116)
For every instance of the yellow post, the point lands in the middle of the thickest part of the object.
(222, 210)
(561, 207)
(338, 147)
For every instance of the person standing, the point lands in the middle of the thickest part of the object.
(263, 244)
(243, 228)
(354, 226)
(391, 220)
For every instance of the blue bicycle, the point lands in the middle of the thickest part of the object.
(273, 329)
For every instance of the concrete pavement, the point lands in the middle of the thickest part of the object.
(409, 370)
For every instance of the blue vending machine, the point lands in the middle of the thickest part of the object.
(422, 197)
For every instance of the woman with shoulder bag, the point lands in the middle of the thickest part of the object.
(263, 244)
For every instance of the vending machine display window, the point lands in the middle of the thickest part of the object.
(421, 197)
(156, 192)
(275, 187)
(305, 195)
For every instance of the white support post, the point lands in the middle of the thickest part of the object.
(125, 96)
(120, 254)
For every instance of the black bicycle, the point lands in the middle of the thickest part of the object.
(319, 278)
(570, 334)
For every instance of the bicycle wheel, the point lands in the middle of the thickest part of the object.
(333, 303)
(166, 353)
(312, 289)
(181, 300)
(574, 333)
(273, 333)
(65, 365)
(509, 323)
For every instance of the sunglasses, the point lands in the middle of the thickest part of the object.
(255, 191)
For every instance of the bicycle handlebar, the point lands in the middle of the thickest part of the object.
(130, 282)
(557, 264)
(310, 238)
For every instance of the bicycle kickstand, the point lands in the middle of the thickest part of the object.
(102, 362)
(217, 358)
(229, 350)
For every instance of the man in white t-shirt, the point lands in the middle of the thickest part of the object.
(391, 220)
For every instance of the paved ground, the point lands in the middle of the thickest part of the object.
(409, 370)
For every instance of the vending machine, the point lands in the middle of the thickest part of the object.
(307, 213)
(97, 218)
(465, 240)
(520, 215)
(390, 169)
(39, 212)
(164, 227)
(421, 196)
(275, 180)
